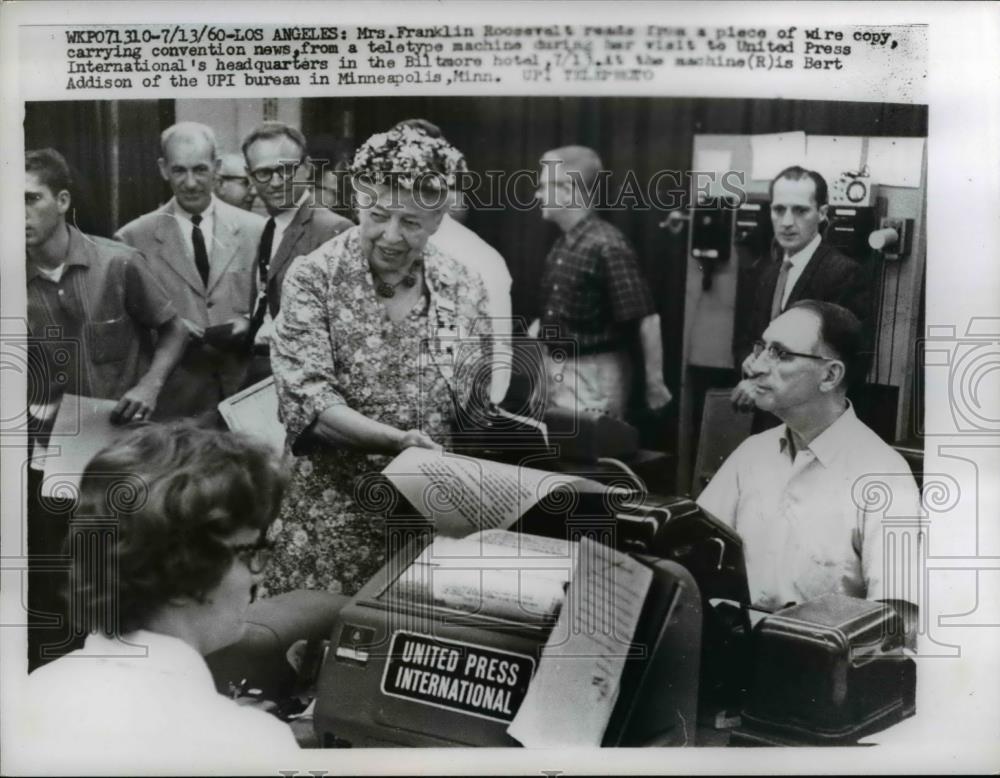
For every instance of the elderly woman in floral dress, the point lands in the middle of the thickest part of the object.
(368, 358)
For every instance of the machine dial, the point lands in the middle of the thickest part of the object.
(856, 191)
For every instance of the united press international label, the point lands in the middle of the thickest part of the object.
(463, 677)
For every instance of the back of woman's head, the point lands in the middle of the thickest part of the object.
(171, 495)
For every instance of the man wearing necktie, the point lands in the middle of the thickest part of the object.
(281, 174)
(801, 267)
(202, 251)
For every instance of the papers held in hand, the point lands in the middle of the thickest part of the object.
(254, 410)
(462, 495)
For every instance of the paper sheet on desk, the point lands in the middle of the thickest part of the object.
(573, 693)
(463, 494)
(494, 573)
(82, 428)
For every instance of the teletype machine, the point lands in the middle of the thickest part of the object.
(442, 647)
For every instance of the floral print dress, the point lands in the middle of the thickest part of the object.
(335, 344)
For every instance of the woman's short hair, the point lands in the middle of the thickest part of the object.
(173, 494)
(408, 157)
(842, 333)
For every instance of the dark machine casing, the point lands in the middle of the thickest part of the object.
(673, 528)
(678, 529)
(658, 691)
(828, 672)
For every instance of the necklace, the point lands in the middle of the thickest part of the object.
(385, 289)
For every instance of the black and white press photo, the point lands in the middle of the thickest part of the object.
(607, 389)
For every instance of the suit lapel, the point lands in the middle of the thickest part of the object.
(173, 252)
(768, 279)
(225, 242)
(286, 249)
(805, 280)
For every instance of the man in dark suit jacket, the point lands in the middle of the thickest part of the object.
(800, 267)
(276, 160)
(201, 250)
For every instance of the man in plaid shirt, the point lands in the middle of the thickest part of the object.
(593, 293)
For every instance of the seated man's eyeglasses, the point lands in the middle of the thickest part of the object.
(776, 353)
(285, 170)
(254, 555)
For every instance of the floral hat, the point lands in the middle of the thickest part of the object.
(409, 157)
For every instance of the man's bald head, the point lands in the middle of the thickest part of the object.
(567, 184)
(232, 184)
(232, 164)
(189, 164)
(187, 132)
(581, 160)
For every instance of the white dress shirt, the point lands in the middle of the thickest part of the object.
(461, 243)
(799, 261)
(207, 227)
(144, 703)
(281, 221)
(842, 516)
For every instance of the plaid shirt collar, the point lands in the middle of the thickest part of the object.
(576, 233)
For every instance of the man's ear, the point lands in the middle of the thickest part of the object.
(162, 164)
(63, 201)
(823, 213)
(834, 373)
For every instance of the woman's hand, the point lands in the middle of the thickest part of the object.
(344, 428)
(418, 439)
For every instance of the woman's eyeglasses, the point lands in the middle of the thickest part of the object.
(254, 555)
(779, 353)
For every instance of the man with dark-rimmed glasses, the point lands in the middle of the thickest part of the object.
(282, 175)
(801, 494)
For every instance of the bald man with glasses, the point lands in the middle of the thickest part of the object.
(799, 494)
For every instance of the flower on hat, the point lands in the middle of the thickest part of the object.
(408, 157)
